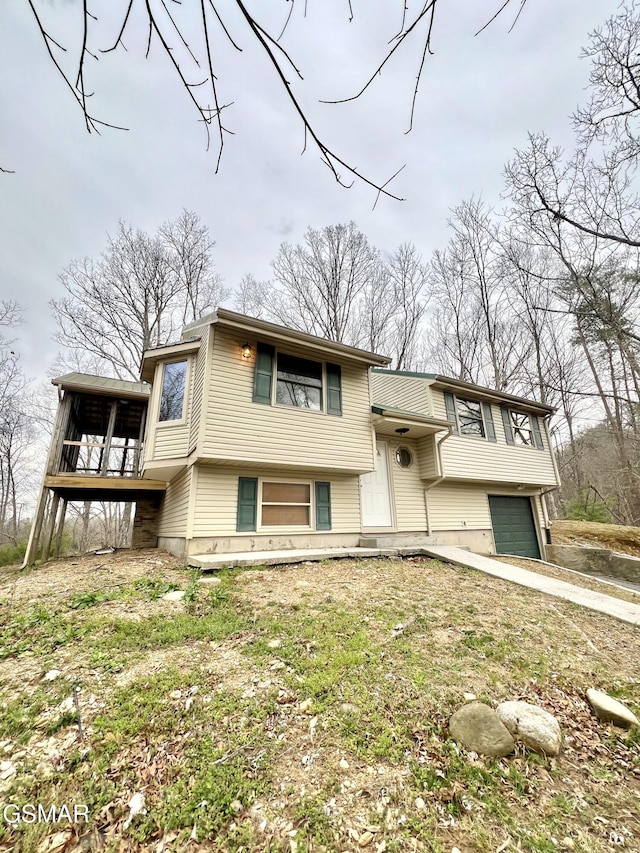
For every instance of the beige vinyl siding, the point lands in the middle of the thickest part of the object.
(470, 458)
(172, 520)
(536, 501)
(407, 490)
(458, 507)
(239, 429)
(217, 500)
(403, 392)
(171, 441)
(427, 457)
(199, 367)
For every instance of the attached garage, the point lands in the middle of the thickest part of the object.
(514, 530)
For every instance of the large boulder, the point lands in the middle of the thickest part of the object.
(610, 710)
(535, 727)
(477, 727)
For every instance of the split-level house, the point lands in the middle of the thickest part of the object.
(255, 437)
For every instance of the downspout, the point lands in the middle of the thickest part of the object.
(544, 492)
(440, 469)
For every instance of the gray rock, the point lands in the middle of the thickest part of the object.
(477, 727)
(51, 675)
(174, 595)
(610, 710)
(535, 727)
(349, 710)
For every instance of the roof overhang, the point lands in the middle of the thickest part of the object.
(271, 332)
(151, 357)
(446, 383)
(400, 424)
(490, 395)
(102, 386)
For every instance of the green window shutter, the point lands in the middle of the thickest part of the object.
(323, 506)
(506, 420)
(334, 389)
(488, 422)
(537, 432)
(263, 377)
(247, 503)
(450, 405)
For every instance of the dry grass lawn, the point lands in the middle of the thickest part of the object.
(617, 537)
(305, 708)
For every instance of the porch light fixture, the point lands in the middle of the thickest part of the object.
(246, 350)
(402, 430)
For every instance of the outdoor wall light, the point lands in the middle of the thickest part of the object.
(246, 350)
(402, 430)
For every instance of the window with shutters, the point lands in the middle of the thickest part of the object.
(288, 380)
(521, 428)
(469, 413)
(470, 417)
(299, 382)
(267, 503)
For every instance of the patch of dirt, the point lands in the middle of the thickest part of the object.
(60, 579)
(576, 578)
(617, 537)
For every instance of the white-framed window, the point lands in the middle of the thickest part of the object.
(285, 504)
(173, 394)
(283, 379)
(299, 382)
(521, 428)
(469, 415)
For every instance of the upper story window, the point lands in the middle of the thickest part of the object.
(299, 382)
(471, 417)
(288, 380)
(172, 399)
(469, 414)
(521, 428)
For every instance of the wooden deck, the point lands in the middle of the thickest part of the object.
(80, 487)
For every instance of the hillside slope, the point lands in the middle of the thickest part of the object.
(304, 708)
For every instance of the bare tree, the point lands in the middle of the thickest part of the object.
(593, 191)
(474, 335)
(16, 429)
(338, 286)
(192, 37)
(137, 295)
(409, 278)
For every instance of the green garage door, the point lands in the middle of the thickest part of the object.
(513, 528)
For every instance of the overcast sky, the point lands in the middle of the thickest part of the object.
(478, 99)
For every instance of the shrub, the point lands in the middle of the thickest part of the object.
(587, 507)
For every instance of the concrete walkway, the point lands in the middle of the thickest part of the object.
(210, 562)
(625, 611)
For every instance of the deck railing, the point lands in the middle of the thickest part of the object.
(102, 458)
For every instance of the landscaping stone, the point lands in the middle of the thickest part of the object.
(611, 710)
(52, 675)
(174, 595)
(477, 727)
(535, 727)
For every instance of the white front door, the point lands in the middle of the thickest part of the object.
(374, 492)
